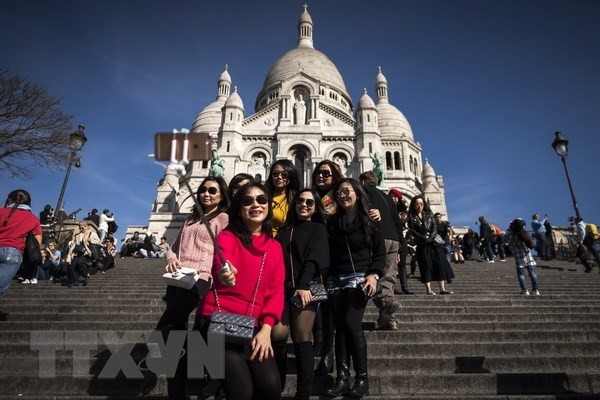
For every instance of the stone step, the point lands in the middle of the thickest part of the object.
(400, 384)
(28, 364)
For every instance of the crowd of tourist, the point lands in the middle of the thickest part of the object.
(263, 250)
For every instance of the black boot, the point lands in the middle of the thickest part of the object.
(359, 357)
(342, 365)
(304, 369)
(325, 366)
(280, 350)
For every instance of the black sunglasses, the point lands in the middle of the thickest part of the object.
(211, 190)
(283, 174)
(309, 202)
(324, 173)
(261, 199)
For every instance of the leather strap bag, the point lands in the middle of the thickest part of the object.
(318, 292)
(237, 328)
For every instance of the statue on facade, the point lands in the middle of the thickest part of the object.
(378, 167)
(217, 165)
(300, 111)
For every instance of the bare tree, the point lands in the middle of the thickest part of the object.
(33, 128)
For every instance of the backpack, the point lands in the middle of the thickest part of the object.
(112, 226)
(591, 230)
(497, 230)
(492, 230)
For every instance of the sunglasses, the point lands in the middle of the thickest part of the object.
(324, 173)
(283, 174)
(309, 202)
(343, 192)
(211, 190)
(261, 199)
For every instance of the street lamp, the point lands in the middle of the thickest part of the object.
(76, 141)
(561, 147)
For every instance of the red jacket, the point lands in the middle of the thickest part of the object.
(268, 306)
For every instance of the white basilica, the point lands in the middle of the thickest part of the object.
(303, 113)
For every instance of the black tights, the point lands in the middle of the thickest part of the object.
(245, 379)
(348, 308)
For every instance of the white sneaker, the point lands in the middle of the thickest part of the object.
(503, 260)
(536, 292)
(33, 281)
(25, 282)
(525, 292)
(490, 261)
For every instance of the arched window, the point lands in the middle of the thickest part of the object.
(388, 160)
(397, 164)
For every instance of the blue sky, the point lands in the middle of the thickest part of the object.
(483, 83)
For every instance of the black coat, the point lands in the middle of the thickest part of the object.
(367, 257)
(310, 252)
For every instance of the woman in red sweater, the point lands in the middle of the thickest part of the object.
(256, 266)
(16, 221)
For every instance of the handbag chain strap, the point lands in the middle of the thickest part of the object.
(255, 288)
(350, 254)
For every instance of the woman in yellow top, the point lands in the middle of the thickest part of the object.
(283, 184)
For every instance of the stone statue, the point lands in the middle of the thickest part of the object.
(300, 111)
(217, 165)
(378, 167)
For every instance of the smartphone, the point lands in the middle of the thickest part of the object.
(199, 146)
(295, 300)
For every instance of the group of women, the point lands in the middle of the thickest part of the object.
(277, 239)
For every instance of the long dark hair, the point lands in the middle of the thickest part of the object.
(221, 207)
(236, 224)
(16, 198)
(335, 172)
(293, 185)
(318, 216)
(411, 207)
(234, 182)
(362, 206)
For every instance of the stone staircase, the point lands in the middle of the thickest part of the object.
(484, 342)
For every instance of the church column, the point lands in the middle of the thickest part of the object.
(314, 103)
(285, 110)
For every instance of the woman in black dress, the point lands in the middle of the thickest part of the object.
(306, 254)
(431, 257)
(357, 254)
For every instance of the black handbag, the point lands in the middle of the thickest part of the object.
(236, 328)
(318, 292)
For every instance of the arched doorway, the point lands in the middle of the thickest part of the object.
(300, 156)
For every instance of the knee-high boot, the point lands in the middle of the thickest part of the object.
(342, 365)
(325, 365)
(280, 350)
(305, 361)
(359, 358)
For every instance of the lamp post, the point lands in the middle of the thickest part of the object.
(76, 141)
(561, 147)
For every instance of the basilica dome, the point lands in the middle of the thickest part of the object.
(209, 119)
(309, 61)
(392, 123)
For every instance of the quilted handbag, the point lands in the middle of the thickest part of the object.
(185, 278)
(237, 328)
(378, 287)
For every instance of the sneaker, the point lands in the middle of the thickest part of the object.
(503, 260)
(490, 261)
(51, 279)
(525, 292)
(536, 292)
(25, 282)
(33, 281)
(20, 279)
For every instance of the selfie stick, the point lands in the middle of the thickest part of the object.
(179, 167)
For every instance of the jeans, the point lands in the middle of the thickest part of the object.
(542, 249)
(532, 276)
(487, 248)
(594, 248)
(102, 234)
(10, 260)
